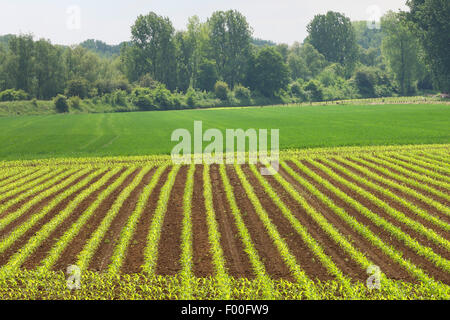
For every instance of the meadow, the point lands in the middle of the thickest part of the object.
(148, 133)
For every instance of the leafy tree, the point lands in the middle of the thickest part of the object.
(400, 50)
(271, 74)
(19, 63)
(431, 21)
(207, 75)
(154, 35)
(49, 69)
(333, 35)
(230, 38)
(315, 61)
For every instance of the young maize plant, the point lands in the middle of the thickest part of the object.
(23, 253)
(8, 176)
(444, 159)
(76, 227)
(23, 179)
(416, 182)
(128, 231)
(258, 266)
(6, 242)
(289, 259)
(409, 241)
(442, 165)
(151, 250)
(301, 230)
(402, 188)
(89, 249)
(428, 164)
(186, 274)
(222, 277)
(359, 227)
(437, 178)
(39, 193)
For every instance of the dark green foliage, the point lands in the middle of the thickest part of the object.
(221, 90)
(13, 95)
(61, 104)
(333, 35)
(431, 22)
(270, 72)
(314, 90)
(77, 87)
(242, 93)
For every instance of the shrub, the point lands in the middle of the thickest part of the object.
(77, 87)
(144, 102)
(74, 102)
(297, 91)
(61, 104)
(191, 98)
(221, 90)
(242, 93)
(162, 97)
(13, 95)
(119, 98)
(314, 90)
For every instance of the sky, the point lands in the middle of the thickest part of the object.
(73, 21)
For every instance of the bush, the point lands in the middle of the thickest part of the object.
(144, 102)
(314, 90)
(77, 87)
(242, 93)
(61, 104)
(297, 91)
(221, 90)
(191, 98)
(13, 95)
(119, 98)
(75, 102)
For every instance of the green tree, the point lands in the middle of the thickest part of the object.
(49, 69)
(333, 35)
(207, 75)
(431, 21)
(270, 72)
(400, 50)
(19, 63)
(154, 35)
(230, 39)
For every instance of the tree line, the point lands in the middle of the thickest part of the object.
(219, 62)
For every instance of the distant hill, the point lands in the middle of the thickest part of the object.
(102, 48)
(261, 43)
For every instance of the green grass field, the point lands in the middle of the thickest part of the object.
(148, 133)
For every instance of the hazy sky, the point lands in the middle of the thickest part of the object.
(73, 21)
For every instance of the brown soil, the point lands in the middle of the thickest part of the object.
(21, 241)
(40, 254)
(420, 191)
(202, 258)
(308, 261)
(69, 255)
(237, 261)
(104, 252)
(169, 247)
(268, 252)
(18, 205)
(359, 242)
(417, 202)
(385, 236)
(435, 184)
(401, 208)
(135, 255)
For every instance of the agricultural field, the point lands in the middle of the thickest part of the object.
(143, 228)
(149, 133)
